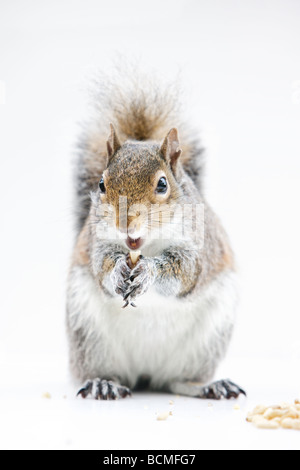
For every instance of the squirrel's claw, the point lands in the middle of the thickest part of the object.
(102, 389)
(129, 297)
(221, 389)
(127, 303)
(130, 292)
(137, 283)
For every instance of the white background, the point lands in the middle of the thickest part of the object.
(240, 67)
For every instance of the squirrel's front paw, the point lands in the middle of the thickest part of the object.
(141, 278)
(119, 277)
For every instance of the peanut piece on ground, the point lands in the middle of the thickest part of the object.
(263, 423)
(273, 417)
(163, 416)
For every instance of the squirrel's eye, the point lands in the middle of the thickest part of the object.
(102, 185)
(162, 185)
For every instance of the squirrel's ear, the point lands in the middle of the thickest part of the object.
(113, 143)
(170, 148)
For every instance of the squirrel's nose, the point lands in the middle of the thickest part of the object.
(133, 227)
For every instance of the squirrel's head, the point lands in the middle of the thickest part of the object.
(140, 187)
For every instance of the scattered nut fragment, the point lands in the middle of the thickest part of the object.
(163, 416)
(236, 407)
(273, 417)
(296, 424)
(272, 413)
(292, 413)
(46, 395)
(287, 423)
(290, 423)
(263, 423)
(259, 409)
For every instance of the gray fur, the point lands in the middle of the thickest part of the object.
(185, 289)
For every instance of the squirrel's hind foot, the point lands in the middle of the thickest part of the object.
(222, 389)
(101, 389)
(215, 391)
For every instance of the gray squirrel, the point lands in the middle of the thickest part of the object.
(132, 189)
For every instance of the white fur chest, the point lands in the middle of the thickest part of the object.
(164, 337)
(144, 340)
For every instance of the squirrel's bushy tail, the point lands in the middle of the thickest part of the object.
(140, 108)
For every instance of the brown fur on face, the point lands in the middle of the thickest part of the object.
(139, 163)
(141, 110)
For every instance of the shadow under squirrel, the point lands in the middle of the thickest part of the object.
(132, 191)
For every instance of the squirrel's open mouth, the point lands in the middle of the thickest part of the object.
(134, 243)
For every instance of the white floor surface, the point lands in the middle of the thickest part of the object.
(29, 420)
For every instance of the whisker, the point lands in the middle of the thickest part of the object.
(164, 223)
